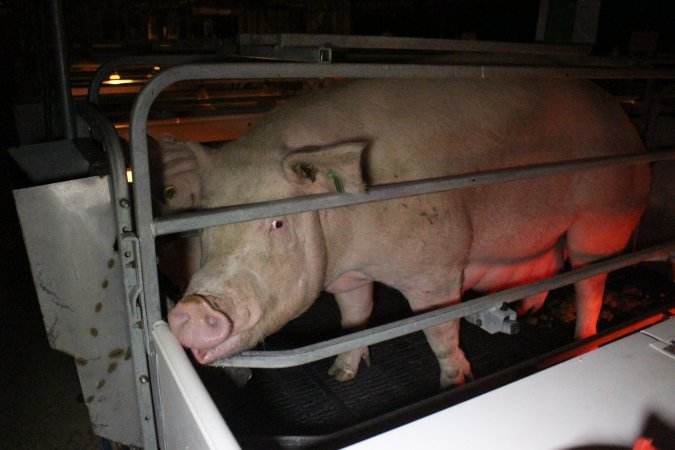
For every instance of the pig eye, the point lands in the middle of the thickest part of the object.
(277, 224)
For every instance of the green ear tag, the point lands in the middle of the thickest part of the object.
(336, 179)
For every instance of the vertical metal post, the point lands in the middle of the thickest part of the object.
(652, 107)
(103, 130)
(541, 21)
(62, 72)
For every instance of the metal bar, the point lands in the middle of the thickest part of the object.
(320, 54)
(62, 75)
(309, 48)
(104, 132)
(221, 216)
(407, 43)
(300, 71)
(107, 68)
(315, 352)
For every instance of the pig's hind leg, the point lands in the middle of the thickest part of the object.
(592, 238)
(531, 304)
(444, 338)
(355, 307)
(444, 341)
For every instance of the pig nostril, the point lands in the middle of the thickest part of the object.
(177, 319)
(211, 321)
(198, 326)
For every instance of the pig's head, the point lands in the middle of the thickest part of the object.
(175, 174)
(256, 276)
(175, 181)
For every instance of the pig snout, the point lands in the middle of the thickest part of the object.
(199, 327)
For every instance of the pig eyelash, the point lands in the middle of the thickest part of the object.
(276, 224)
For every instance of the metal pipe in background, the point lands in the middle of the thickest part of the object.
(43, 67)
(62, 70)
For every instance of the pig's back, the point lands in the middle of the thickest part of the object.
(429, 128)
(426, 128)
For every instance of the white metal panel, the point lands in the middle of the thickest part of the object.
(69, 232)
(603, 398)
(190, 419)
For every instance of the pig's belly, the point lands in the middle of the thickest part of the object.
(495, 275)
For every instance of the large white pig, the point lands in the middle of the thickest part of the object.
(256, 276)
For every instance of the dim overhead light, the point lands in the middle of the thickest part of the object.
(108, 82)
(115, 78)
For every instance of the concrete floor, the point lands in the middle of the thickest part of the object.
(40, 398)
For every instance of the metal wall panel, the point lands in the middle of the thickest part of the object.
(69, 232)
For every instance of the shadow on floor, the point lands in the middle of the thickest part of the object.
(40, 397)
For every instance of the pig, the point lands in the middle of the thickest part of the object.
(256, 276)
(175, 188)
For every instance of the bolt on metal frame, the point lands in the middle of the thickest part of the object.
(149, 227)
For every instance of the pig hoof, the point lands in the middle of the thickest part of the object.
(341, 374)
(456, 372)
(458, 378)
(346, 365)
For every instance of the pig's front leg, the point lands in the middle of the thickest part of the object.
(355, 305)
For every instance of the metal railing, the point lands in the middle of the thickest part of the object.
(419, 322)
(149, 227)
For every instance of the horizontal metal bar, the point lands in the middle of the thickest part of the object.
(407, 43)
(234, 214)
(299, 54)
(332, 347)
(365, 70)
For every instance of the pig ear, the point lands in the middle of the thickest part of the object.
(336, 168)
(176, 179)
(202, 154)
